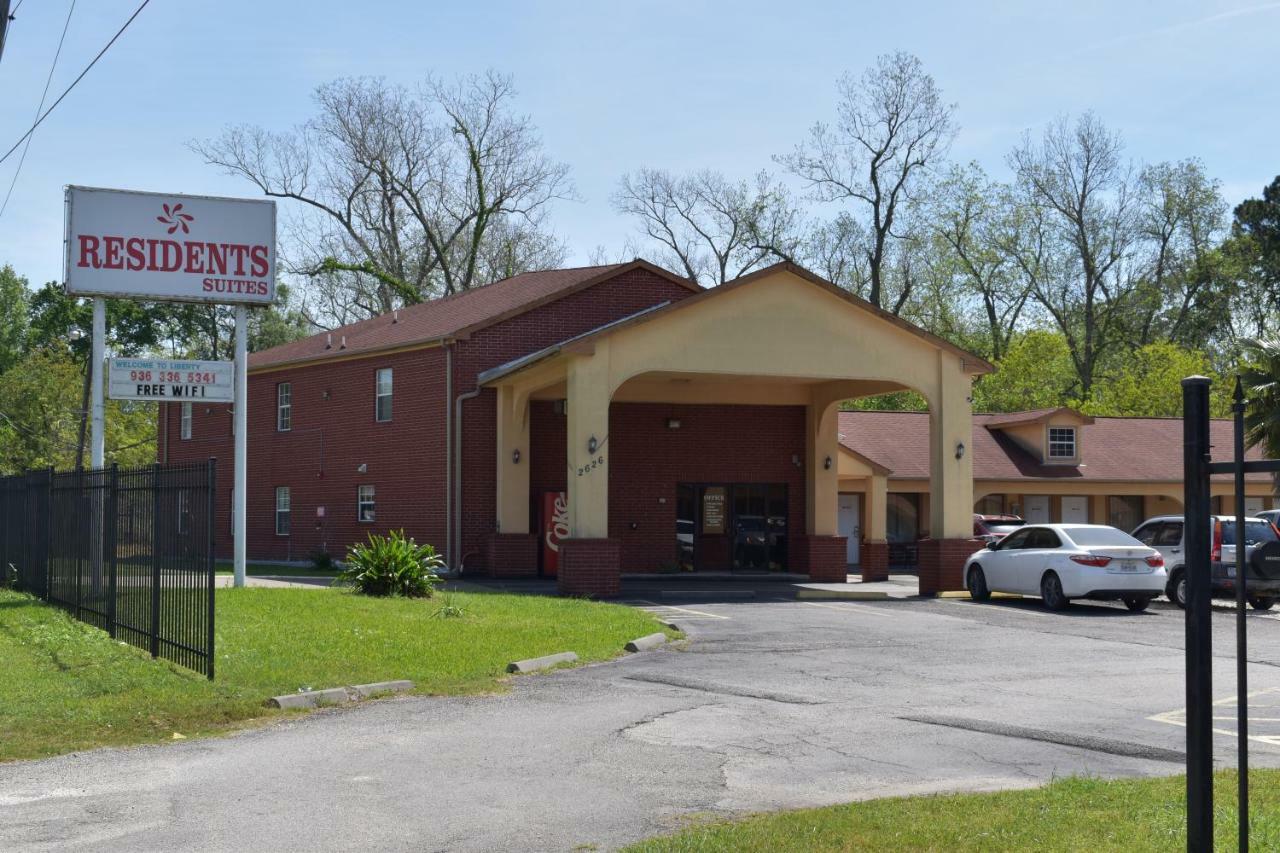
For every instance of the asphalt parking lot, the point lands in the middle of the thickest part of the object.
(771, 704)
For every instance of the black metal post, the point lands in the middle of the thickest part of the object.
(112, 557)
(209, 532)
(1242, 646)
(1195, 460)
(155, 560)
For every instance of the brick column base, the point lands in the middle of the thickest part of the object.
(823, 558)
(941, 563)
(874, 560)
(511, 555)
(590, 567)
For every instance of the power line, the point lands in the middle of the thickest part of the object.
(43, 95)
(67, 91)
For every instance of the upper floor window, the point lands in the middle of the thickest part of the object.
(184, 422)
(1062, 442)
(284, 407)
(282, 510)
(383, 408)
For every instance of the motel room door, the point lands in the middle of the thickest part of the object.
(850, 524)
(1035, 509)
(1075, 509)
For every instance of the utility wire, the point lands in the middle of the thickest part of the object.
(45, 94)
(67, 91)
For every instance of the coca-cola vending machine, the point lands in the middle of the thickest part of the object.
(555, 527)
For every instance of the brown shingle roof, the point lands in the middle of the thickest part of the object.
(449, 316)
(1123, 449)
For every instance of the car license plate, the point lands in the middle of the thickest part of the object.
(1128, 566)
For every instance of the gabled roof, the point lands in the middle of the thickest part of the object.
(1035, 416)
(978, 364)
(1139, 450)
(449, 317)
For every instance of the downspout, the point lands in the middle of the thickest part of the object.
(457, 480)
(448, 455)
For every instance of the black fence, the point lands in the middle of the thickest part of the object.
(129, 551)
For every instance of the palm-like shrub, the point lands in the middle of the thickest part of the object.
(1260, 377)
(392, 565)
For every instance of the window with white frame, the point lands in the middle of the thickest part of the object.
(1062, 442)
(282, 510)
(383, 406)
(284, 407)
(184, 422)
(364, 503)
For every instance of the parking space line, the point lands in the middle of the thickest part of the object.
(848, 605)
(1178, 717)
(669, 609)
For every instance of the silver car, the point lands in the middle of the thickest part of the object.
(1165, 534)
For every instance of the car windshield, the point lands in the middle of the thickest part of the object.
(1092, 537)
(1255, 532)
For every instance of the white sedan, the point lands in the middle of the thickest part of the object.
(1059, 562)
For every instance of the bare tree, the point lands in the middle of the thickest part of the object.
(1079, 188)
(404, 191)
(1181, 219)
(710, 228)
(892, 125)
(973, 216)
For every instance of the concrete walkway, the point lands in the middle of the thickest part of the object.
(276, 582)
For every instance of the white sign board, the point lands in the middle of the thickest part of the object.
(179, 381)
(170, 247)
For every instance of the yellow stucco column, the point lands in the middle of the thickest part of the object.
(877, 510)
(822, 482)
(588, 396)
(1097, 509)
(513, 475)
(950, 479)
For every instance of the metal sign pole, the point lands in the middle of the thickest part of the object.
(97, 436)
(1195, 459)
(242, 440)
(1242, 659)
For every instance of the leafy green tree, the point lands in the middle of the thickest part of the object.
(1260, 378)
(1254, 248)
(1148, 383)
(13, 317)
(1036, 372)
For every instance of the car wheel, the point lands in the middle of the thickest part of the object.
(1176, 591)
(1136, 603)
(978, 589)
(1051, 592)
(1261, 602)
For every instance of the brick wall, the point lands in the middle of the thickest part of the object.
(334, 431)
(942, 564)
(503, 342)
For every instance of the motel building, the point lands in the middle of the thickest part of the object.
(592, 422)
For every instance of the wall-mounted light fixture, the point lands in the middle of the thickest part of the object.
(515, 456)
(795, 459)
(826, 463)
(592, 444)
(362, 468)
(959, 449)
(673, 423)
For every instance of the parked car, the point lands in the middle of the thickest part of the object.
(1165, 534)
(1060, 562)
(993, 528)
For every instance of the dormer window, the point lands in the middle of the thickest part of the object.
(1062, 442)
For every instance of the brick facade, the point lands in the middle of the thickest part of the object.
(874, 560)
(590, 567)
(511, 555)
(822, 558)
(941, 564)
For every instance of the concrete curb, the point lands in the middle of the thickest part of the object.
(535, 664)
(643, 644)
(803, 594)
(337, 695)
(671, 625)
(965, 594)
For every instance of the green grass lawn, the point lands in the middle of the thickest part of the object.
(65, 686)
(1073, 814)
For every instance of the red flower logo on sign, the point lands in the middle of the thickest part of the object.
(175, 218)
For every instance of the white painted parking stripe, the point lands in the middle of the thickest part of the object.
(671, 610)
(1178, 717)
(848, 605)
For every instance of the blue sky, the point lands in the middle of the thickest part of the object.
(613, 87)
